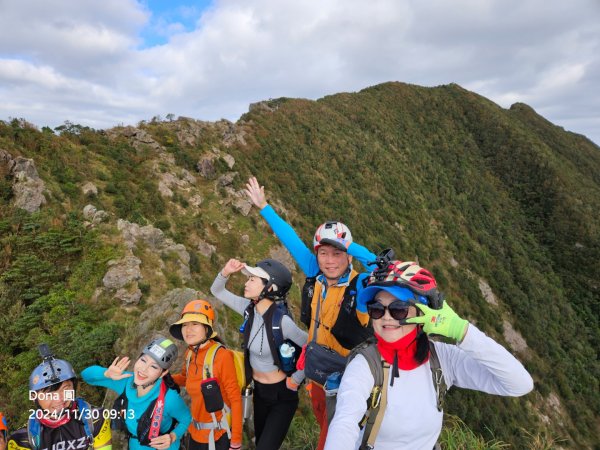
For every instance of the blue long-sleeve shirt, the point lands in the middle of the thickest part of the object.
(175, 407)
(306, 258)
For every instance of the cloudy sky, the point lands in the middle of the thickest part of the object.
(110, 62)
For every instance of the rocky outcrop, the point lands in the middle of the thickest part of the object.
(28, 188)
(206, 166)
(232, 134)
(487, 293)
(89, 189)
(156, 242)
(94, 215)
(281, 254)
(205, 248)
(139, 138)
(514, 338)
(122, 277)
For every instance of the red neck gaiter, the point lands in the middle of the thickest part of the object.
(64, 418)
(405, 348)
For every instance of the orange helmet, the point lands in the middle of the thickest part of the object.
(195, 311)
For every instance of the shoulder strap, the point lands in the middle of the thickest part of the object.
(276, 320)
(376, 415)
(157, 412)
(88, 423)
(33, 433)
(209, 360)
(439, 383)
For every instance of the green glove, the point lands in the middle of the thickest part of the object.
(443, 322)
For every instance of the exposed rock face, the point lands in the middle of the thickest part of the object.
(229, 160)
(205, 248)
(514, 338)
(232, 134)
(281, 254)
(93, 215)
(487, 293)
(28, 188)
(227, 179)
(122, 277)
(206, 166)
(156, 241)
(89, 189)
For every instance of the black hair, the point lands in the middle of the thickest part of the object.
(170, 382)
(209, 332)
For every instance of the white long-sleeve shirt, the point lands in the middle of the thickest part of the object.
(412, 420)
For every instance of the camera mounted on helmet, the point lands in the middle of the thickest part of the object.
(407, 274)
(51, 371)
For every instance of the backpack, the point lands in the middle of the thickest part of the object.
(274, 316)
(347, 329)
(34, 427)
(238, 361)
(377, 401)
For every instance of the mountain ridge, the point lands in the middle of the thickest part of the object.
(478, 193)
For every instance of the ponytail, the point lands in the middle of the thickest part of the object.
(170, 382)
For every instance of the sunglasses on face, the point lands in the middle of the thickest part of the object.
(398, 310)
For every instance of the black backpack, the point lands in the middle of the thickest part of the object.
(274, 317)
(347, 330)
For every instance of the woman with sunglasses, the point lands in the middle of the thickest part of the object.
(400, 298)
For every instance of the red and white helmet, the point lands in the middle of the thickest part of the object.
(329, 233)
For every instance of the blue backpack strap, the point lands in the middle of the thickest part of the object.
(85, 412)
(34, 429)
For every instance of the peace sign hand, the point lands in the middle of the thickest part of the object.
(115, 370)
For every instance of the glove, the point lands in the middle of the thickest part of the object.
(443, 322)
(291, 384)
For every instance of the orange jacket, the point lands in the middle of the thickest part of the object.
(330, 309)
(224, 372)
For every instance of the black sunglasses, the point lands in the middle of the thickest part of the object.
(398, 310)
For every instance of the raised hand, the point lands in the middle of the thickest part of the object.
(443, 322)
(232, 266)
(115, 370)
(256, 193)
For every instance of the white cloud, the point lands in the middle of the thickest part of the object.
(542, 52)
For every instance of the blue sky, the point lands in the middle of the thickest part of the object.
(170, 17)
(102, 64)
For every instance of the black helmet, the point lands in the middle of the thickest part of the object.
(276, 276)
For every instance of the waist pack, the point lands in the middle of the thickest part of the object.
(320, 362)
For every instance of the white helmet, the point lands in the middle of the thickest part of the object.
(329, 232)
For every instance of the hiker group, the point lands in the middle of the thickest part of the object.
(375, 377)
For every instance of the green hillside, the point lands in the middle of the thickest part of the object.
(501, 204)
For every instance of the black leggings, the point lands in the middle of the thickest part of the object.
(274, 408)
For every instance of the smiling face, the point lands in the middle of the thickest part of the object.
(193, 332)
(332, 261)
(54, 401)
(253, 287)
(146, 371)
(388, 328)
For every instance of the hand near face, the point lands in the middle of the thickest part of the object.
(115, 370)
(232, 266)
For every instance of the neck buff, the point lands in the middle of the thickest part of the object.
(400, 353)
(64, 417)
